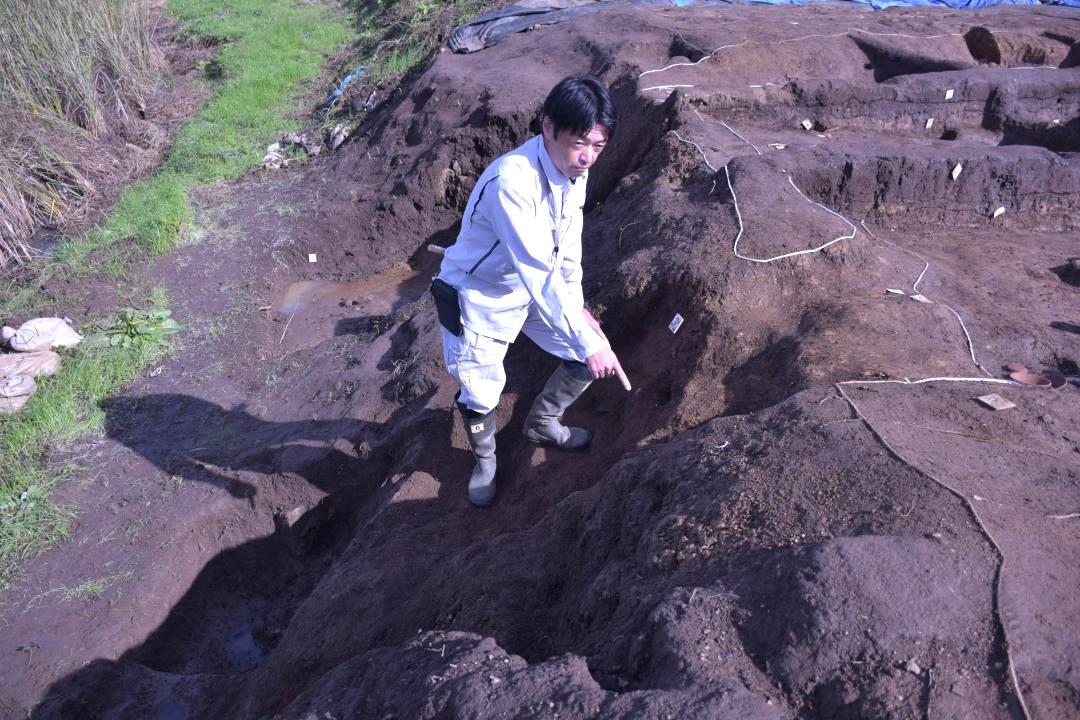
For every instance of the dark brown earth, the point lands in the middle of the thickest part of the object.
(760, 530)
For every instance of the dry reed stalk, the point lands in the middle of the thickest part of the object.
(70, 71)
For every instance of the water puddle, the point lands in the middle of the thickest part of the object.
(171, 709)
(242, 649)
(316, 310)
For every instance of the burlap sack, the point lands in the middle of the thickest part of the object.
(44, 334)
(15, 392)
(32, 364)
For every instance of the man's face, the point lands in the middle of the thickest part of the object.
(574, 154)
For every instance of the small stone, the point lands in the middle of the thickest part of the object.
(913, 667)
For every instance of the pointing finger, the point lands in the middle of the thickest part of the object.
(622, 377)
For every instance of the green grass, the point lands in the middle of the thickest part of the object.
(273, 50)
(65, 408)
(72, 73)
(397, 36)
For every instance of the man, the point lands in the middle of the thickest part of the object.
(516, 266)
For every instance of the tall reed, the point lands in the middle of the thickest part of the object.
(70, 74)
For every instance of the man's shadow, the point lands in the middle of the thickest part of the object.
(199, 441)
(233, 613)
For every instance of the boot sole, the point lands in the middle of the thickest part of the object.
(555, 446)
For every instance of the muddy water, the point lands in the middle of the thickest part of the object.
(316, 310)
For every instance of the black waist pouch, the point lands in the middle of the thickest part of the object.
(446, 305)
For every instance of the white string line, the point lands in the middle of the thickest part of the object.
(742, 227)
(730, 129)
(906, 381)
(915, 288)
(738, 215)
(703, 157)
(971, 346)
(738, 236)
(814, 36)
(926, 263)
(982, 526)
(796, 39)
(691, 64)
(665, 87)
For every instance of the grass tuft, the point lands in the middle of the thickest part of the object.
(65, 407)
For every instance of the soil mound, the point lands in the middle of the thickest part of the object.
(777, 522)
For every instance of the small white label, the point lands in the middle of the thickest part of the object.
(807, 125)
(995, 402)
(311, 257)
(894, 291)
(949, 94)
(675, 324)
(777, 146)
(956, 171)
(929, 123)
(921, 298)
(1000, 211)
(479, 427)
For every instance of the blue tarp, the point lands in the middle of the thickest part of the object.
(882, 4)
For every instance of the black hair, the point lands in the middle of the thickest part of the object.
(578, 103)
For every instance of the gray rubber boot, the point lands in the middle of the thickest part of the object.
(481, 431)
(563, 387)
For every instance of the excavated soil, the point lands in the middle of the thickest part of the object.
(762, 527)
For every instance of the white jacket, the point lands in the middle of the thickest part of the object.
(520, 245)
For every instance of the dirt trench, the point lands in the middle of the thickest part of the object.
(745, 538)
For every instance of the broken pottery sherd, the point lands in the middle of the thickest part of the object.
(1029, 378)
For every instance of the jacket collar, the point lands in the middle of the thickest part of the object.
(556, 180)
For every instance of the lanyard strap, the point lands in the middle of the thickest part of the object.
(556, 217)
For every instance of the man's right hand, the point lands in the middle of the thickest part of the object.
(603, 363)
